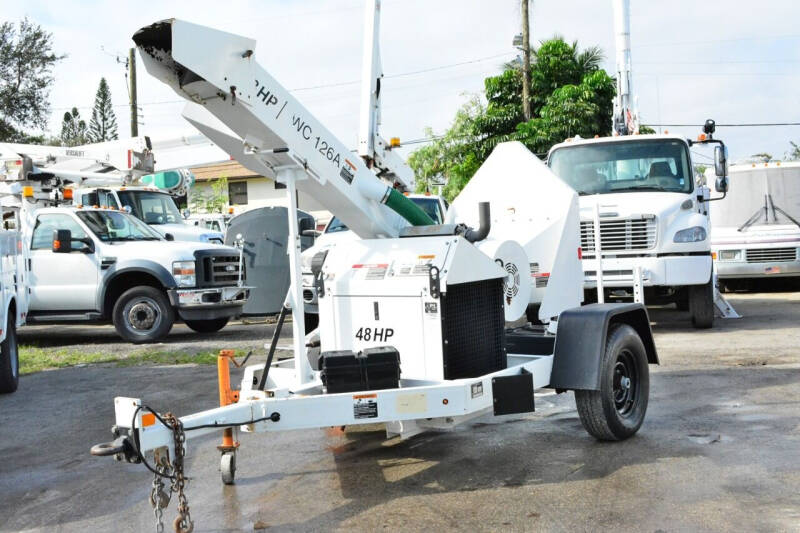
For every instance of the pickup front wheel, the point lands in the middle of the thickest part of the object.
(9, 359)
(143, 314)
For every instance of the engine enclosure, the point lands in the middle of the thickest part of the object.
(437, 299)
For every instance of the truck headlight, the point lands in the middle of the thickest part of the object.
(183, 272)
(729, 255)
(693, 234)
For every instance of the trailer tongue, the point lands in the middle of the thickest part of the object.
(412, 318)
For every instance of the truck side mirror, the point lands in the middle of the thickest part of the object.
(722, 184)
(186, 213)
(62, 241)
(169, 236)
(721, 160)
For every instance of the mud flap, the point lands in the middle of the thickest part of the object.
(513, 394)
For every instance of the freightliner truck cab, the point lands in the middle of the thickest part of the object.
(652, 215)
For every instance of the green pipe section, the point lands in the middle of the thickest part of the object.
(407, 209)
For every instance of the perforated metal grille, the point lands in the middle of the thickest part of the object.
(771, 255)
(472, 329)
(620, 234)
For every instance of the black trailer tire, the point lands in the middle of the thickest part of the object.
(311, 321)
(701, 305)
(617, 410)
(9, 359)
(207, 326)
(143, 314)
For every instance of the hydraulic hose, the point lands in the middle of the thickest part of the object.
(407, 209)
(485, 219)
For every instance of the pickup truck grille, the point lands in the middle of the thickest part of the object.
(771, 255)
(620, 234)
(217, 270)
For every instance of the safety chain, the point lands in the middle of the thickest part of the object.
(183, 522)
(159, 498)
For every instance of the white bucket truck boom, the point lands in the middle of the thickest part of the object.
(412, 316)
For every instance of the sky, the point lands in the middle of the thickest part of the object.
(730, 60)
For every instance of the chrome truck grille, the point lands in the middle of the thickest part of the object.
(772, 255)
(217, 269)
(622, 234)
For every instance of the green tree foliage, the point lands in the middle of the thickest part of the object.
(644, 130)
(210, 201)
(26, 63)
(570, 95)
(103, 125)
(73, 129)
(794, 153)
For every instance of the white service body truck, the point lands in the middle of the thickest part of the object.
(755, 232)
(652, 215)
(88, 264)
(13, 306)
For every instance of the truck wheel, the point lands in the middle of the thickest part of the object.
(207, 326)
(616, 411)
(143, 314)
(311, 321)
(9, 359)
(701, 305)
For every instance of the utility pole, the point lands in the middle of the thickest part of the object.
(132, 74)
(526, 63)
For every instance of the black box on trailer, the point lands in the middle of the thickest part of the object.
(381, 368)
(373, 369)
(341, 371)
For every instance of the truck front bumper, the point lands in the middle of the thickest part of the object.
(669, 271)
(733, 270)
(208, 304)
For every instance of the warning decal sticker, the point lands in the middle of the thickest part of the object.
(365, 406)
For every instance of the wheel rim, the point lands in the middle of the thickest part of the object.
(626, 383)
(143, 314)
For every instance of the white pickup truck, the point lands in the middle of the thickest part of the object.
(652, 215)
(105, 265)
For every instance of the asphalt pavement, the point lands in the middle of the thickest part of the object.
(719, 451)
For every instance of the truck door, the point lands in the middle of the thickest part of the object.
(61, 282)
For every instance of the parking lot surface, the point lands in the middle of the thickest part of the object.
(719, 451)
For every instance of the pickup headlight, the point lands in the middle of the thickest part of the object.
(693, 234)
(183, 272)
(729, 255)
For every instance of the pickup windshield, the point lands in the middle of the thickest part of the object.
(628, 166)
(152, 207)
(111, 226)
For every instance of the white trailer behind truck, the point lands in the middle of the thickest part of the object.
(755, 232)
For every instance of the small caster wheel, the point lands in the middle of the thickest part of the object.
(227, 467)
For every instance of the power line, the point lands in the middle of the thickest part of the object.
(742, 125)
(323, 86)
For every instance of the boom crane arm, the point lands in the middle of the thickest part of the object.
(373, 149)
(218, 70)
